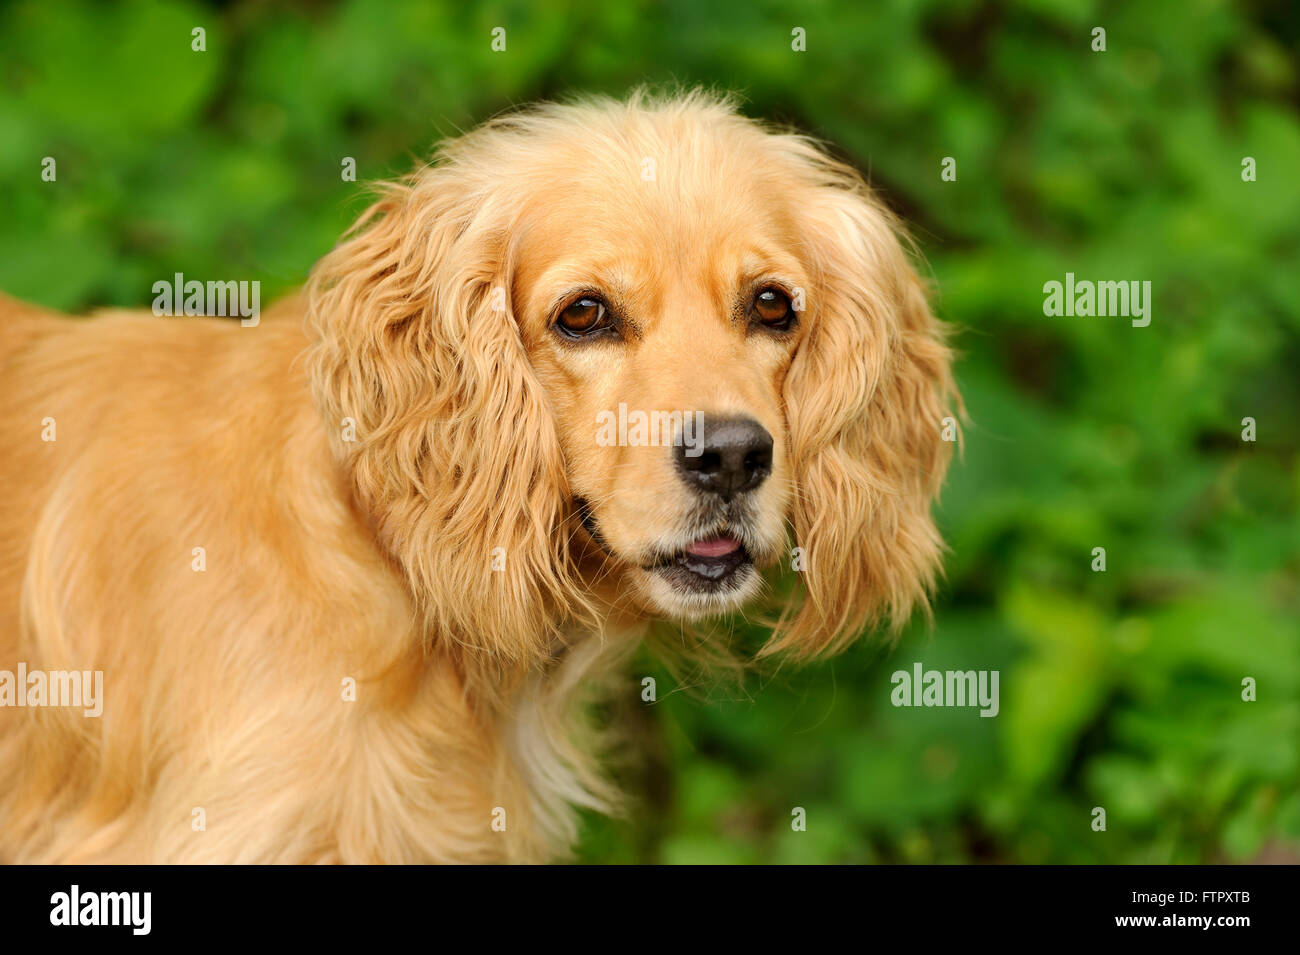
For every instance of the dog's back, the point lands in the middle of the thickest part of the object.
(101, 418)
(173, 518)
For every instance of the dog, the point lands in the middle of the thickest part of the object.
(350, 572)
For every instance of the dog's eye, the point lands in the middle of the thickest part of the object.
(772, 308)
(584, 316)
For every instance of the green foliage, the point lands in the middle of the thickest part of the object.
(1120, 689)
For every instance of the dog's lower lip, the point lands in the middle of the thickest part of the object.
(706, 564)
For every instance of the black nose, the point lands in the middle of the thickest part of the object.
(733, 455)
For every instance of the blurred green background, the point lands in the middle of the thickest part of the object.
(1120, 689)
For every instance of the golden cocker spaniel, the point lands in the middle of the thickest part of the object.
(347, 571)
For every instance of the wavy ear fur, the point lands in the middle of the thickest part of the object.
(455, 452)
(865, 396)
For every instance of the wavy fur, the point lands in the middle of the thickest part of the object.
(384, 475)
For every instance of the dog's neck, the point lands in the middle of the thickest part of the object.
(551, 741)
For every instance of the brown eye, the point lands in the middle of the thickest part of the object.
(772, 307)
(584, 316)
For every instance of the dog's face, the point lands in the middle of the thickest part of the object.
(626, 355)
(662, 327)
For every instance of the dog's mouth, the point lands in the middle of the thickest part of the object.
(716, 568)
(709, 564)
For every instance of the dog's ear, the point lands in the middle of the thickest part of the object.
(420, 371)
(866, 397)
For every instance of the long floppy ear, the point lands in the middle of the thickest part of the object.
(455, 458)
(866, 397)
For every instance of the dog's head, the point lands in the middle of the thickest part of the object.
(621, 357)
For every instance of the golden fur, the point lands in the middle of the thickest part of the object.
(426, 334)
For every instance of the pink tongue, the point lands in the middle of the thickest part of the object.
(713, 547)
